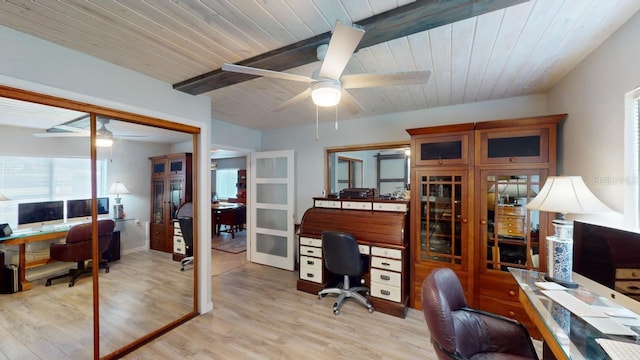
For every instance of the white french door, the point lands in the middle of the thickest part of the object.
(271, 205)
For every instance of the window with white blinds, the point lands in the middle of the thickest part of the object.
(226, 182)
(32, 179)
(632, 159)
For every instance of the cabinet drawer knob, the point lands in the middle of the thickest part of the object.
(512, 314)
(385, 292)
(309, 262)
(310, 275)
(483, 222)
(386, 264)
(385, 277)
(512, 159)
(440, 162)
(512, 293)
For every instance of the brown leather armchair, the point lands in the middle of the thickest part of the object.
(77, 247)
(460, 332)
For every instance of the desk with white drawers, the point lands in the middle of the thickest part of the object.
(382, 230)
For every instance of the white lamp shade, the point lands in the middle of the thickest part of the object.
(118, 188)
(567, 195)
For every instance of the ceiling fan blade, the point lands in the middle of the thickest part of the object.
(266, 73)
(343, 43)
(350, 103)
(303, 95)
(358, 81)
(61, 134)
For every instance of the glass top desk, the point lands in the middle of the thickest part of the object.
(566, 335)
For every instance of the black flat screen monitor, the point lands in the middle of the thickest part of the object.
(38, 214)
(80, 209)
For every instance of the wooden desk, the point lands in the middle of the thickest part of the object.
(22, 239)
(565, 335)
(216, 210)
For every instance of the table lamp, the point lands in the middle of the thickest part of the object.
(118, 188)
(564, 195)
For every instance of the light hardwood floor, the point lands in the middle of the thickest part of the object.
(259, 314)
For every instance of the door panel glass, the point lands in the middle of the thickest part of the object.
(510, 230)
(441, 235)
(271, 244)
(271, 219)
(272, 193)
(271, 168)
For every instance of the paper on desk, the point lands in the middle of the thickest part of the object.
(549, 285)
(609, 326)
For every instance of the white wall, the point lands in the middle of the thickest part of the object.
(309, 154)
(592, 139)
(36, 65)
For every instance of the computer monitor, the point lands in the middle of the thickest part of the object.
(39, 214)
(80, 209)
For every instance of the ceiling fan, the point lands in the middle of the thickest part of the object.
(328, 86)
(79, 127)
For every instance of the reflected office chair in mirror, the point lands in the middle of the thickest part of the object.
(342, 257)
(77, 248)
(184, 214)
(460, 332)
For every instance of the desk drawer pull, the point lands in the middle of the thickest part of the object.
(310, 251)
(309, 262)
(385, 277)
(309, 275)
(385, 292)
(386, 264)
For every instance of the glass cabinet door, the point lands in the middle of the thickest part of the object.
(443, 213)
(510, 233)
(158, 201)
(176, 195)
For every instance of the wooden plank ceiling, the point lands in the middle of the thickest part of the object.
(519, 50)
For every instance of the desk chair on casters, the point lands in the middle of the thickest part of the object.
(342, 257)
(460, 332)
(77, 248)
(186, 226)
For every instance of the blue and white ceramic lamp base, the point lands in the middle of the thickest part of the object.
(560, 255)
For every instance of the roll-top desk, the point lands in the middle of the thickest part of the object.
(382, 230)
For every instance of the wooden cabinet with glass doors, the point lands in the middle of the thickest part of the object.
(171, 186)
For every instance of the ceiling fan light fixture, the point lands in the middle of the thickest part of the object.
(326, 93)
(104, 137)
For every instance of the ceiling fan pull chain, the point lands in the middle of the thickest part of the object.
(317, 123)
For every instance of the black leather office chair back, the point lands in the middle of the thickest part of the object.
(186, 227)
(341, 254)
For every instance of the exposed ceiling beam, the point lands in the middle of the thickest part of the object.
(415, 17)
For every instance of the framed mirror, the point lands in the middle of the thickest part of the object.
(383, 166)
(145, 291)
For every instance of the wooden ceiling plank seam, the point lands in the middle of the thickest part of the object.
(418, 16)
(508, 71)
(592, 38)
(161, 13)
(311, 16)
(358, 9)
(506, 38)
(333, 11)
(530, 53)
(369, 59)
(233, 49)
(143, 26)
(417, 92)
(404, 63)
(380, 6)
(128, 37)
(488, 26)
(422, 57)
(265, 21)
(462, 33)
(51, 31)
(287, 19)
(559, 30)
(440, 40)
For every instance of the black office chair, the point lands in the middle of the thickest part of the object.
(460, 332)
(342, 257)
(185, 219)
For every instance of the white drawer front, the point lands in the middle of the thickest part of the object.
(386, 252)
(628, 274)
(628, 287)
(311, 251)
(310, 262)
(328, 204)
(390, 207)
(178, 240)
(387, 264)
(356, 205)
(311, 274)
(364, 249)
(179, 249)
(386, 292)
(310, 241)
(386, 277)
(177, 231)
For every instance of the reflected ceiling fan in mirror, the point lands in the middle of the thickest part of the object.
(327, 86)
(79, 127)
